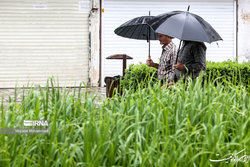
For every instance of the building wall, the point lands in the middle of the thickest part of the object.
(244, 30)
(94, 42)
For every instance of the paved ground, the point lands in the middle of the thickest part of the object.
(6, 93)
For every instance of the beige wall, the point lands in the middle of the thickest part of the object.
(244, 30)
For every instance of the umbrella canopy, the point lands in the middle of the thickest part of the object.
(184, 26)
(137, 28)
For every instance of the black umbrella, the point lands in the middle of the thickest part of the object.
(184, 26)
(138, 28)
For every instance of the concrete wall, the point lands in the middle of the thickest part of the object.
(244, 30)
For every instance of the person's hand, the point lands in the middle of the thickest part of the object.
(170, 83)
(150, 62)
(179, 66)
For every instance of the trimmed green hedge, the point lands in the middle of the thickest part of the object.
(229, 71)
(225, 72)
(139, 74)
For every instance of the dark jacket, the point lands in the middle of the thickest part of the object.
(193, 56)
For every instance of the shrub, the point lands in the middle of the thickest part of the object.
(223, 72)
(139, 74)
(229, 71)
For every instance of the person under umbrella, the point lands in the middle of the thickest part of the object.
(191, 61)
(138, 28)
(193, 30)
(167, 59)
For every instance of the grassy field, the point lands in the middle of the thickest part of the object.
(185, 125)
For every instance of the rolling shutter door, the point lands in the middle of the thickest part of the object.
(219, 13)
(39, 39)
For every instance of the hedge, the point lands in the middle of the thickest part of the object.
(227, 71)
(139, 74)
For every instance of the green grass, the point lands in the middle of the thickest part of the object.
(185, 125)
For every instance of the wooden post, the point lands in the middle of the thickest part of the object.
(124, 65)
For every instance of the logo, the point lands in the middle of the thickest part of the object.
(36, 123)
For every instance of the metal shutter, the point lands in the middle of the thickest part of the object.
(43, 38)
(219, 13)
